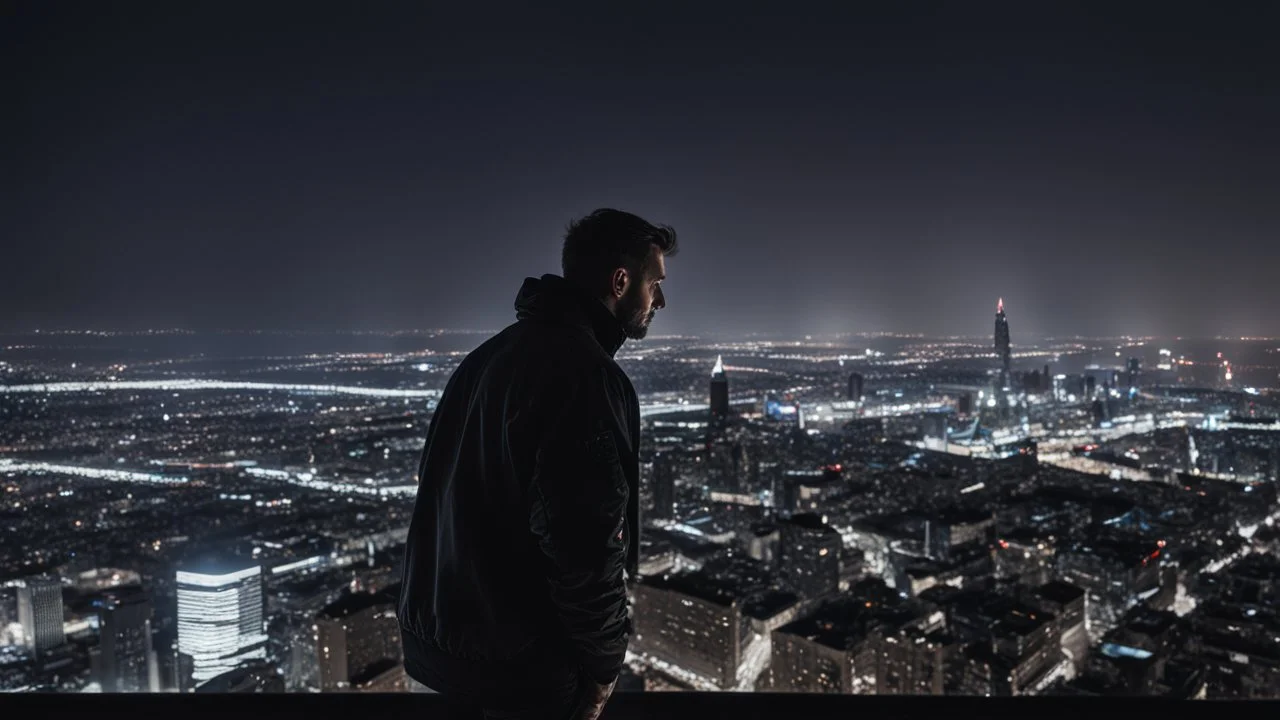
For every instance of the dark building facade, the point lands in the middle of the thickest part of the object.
(1003, 348)
(855, 387)
(868, 642)
(952, 531)
(664, 487)
(683, 621)
(126, 660)
(809, 555)
(1067, 602)
(355, 637)
(1114, 575)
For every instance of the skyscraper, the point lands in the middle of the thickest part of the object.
(358, 642)
(220, 623)
(126, 659)
(1002, 339)
(40, 612)
(719, 394)
(664, 488)
(855, 387)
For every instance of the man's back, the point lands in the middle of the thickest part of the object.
(533, 443)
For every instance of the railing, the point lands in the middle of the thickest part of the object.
(623, 706)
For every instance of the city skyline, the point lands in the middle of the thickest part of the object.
(872, 170)
(792, 335)
(201, 514)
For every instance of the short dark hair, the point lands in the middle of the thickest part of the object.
(607, 239)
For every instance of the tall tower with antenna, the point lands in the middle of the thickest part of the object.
(719, 394)
(1002, 339)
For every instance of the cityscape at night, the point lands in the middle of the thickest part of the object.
(867, 514)
(964, 383)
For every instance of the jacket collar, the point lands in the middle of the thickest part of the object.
(554, 299)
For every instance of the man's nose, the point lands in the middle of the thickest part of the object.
(660, 300)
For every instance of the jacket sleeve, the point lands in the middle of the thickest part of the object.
(578, 515)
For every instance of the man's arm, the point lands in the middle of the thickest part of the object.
(578, 514)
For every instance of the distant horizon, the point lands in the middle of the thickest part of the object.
(798, 336)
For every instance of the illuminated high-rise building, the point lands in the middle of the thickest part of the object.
(40, 612)
(719, 394)
(220, 618)
(1002, 339)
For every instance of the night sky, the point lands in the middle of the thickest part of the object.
(271, 166)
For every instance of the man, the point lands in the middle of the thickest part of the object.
(514, 601)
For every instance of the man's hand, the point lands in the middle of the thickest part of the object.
(593, 699)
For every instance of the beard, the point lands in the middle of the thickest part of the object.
(635, 319)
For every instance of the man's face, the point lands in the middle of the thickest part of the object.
(644, 296)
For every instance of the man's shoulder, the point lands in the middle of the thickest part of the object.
(561, 357)
(573, 347)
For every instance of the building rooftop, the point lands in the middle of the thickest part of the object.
(721, 591)
(809, 521)
(960, 516)
(1145, 621)
(844, 624)
(217, 565)
(1060, 592)
(1125, 552)
(868, 607)
(1020, 621)
(765, 605)
(353, 603)
(1255, 567)
(373, 670)
(724, 579)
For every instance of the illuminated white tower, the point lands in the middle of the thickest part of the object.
(220, 618)
(719, 394)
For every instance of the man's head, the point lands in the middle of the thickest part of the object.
(619, 258)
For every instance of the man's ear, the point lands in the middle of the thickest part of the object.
(618, 282)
